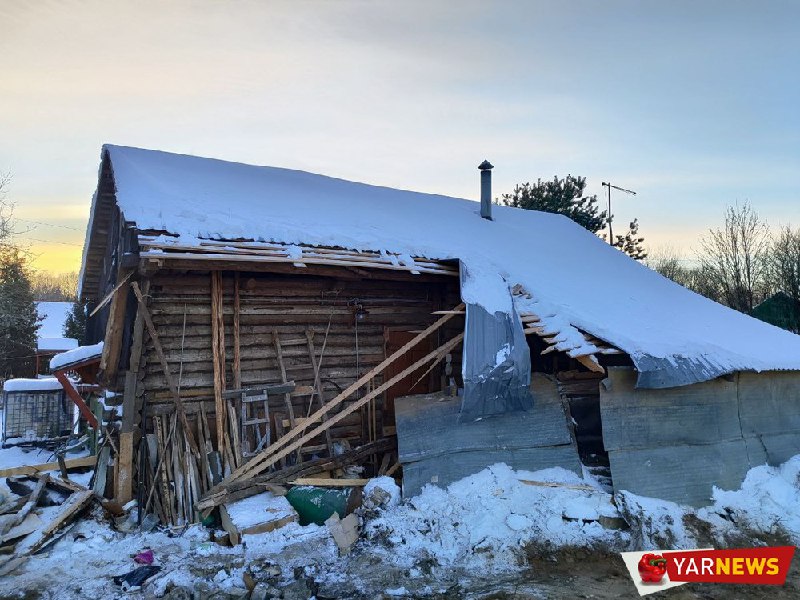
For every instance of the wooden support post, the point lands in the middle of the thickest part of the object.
(218, 351)
(237, 357)
(151, 329)
(285, 440)
(124, 481)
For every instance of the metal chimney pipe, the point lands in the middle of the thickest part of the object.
(486, 189)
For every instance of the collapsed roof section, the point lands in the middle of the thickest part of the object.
(579, 292)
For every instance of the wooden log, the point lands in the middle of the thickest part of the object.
(165, 366)
(218, 347)
(257, 461)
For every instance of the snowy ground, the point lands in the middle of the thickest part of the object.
(490, 535)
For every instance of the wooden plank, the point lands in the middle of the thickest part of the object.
(256, 461)
(218, 347)
(124, 481)
(237, 357)
(70, 509)
(179, 408)
(590, 362)
(73, 463)
(112, 346)
(325, 482)
(110, 294)
(33, 499)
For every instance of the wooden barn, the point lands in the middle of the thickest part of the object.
(261, 324)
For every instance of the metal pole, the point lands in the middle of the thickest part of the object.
(610, 232)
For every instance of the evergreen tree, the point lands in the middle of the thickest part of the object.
(75, 325)
(19, 320)
(561, 196)
(631, 243)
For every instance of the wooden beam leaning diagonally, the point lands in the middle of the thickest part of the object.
(265, 463)
(319, 414)
(112, 345)
(176, 397)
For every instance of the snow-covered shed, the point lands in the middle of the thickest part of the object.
(211, 276)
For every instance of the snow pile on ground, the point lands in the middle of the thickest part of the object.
(486, 520)
(768, 501)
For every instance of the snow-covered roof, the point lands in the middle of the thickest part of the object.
(51, 331)
(78, 355)
(576, 281)
(44, 384)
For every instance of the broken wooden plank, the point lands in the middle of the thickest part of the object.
(7, 524)
(70, 509)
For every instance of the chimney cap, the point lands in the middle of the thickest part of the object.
(486, 166)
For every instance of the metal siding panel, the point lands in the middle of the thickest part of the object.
(682, 474)
(637, 418)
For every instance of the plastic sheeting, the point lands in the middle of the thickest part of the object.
(496, 364)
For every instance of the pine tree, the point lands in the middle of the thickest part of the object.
(75, 324)
(19, 320)
(631, 243)
(561, 196)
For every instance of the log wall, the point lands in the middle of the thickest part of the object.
(181, 307)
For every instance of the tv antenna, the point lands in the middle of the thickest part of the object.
(616, 187)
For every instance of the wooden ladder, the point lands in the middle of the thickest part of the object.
(312, 366)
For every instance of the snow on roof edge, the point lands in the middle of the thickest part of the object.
(79, 354)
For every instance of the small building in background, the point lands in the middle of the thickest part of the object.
(50, 339)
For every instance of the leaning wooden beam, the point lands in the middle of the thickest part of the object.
(319, 414)
(176, 397)
(73, 394)
(73, 463)
(110, 294)
(112, 346)
(259, 463)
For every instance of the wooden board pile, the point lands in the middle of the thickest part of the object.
(23, 532)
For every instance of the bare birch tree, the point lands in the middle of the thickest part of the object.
(736, 258)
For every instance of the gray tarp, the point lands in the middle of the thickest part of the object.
(496, 365)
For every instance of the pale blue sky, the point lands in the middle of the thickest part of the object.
(692, 104)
